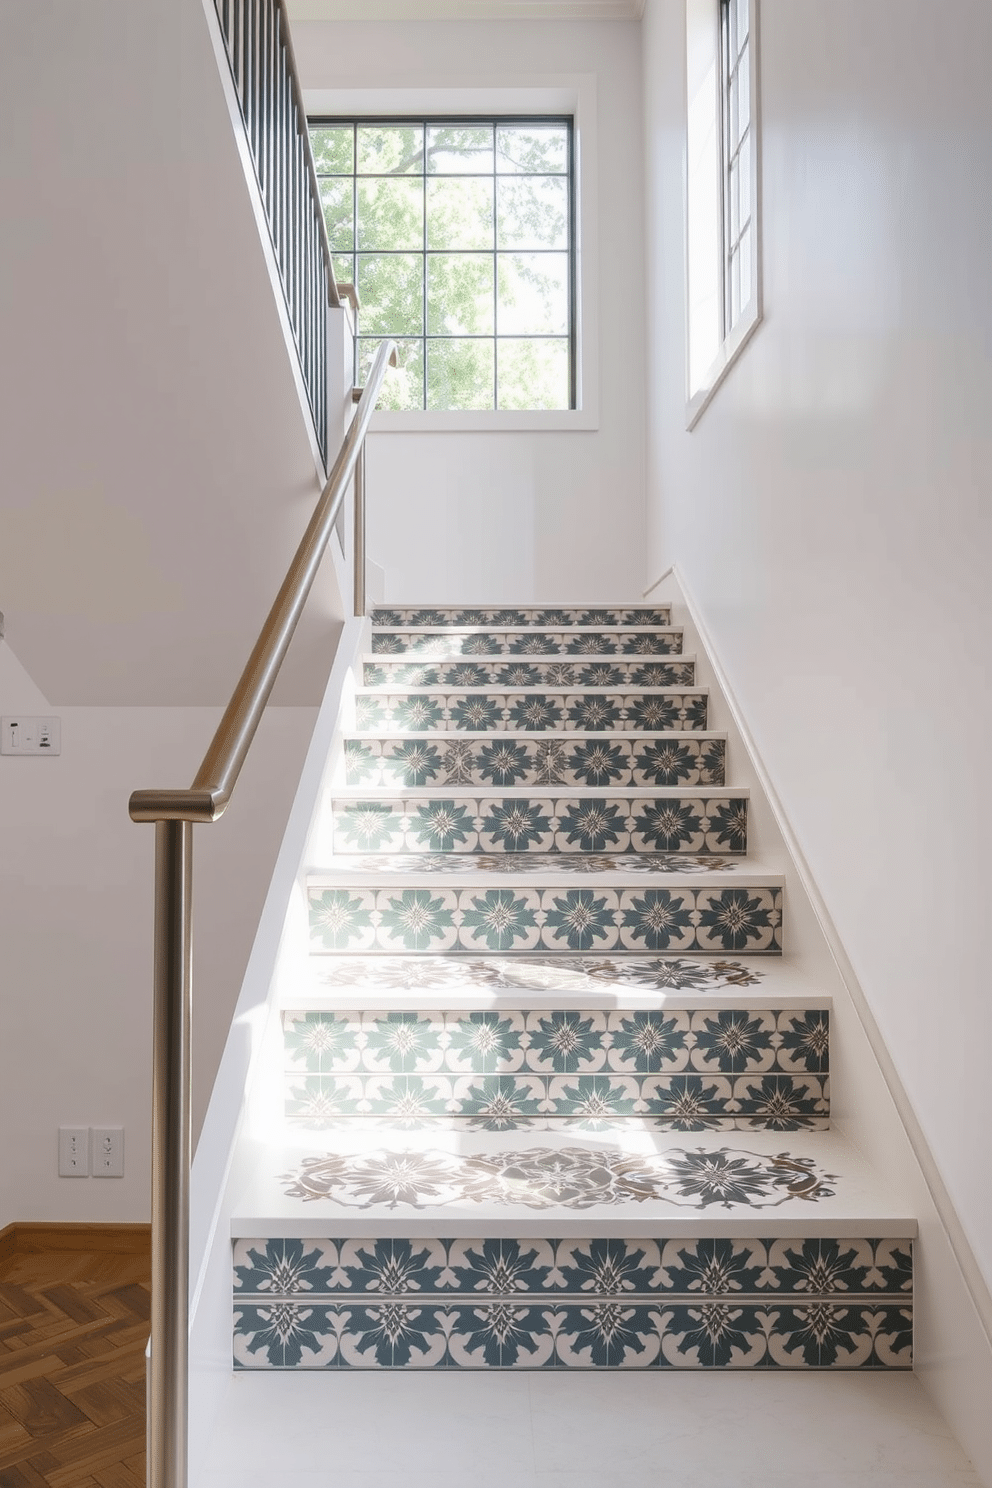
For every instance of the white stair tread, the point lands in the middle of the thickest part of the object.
(546, 980)
(742, 1184)
(364, 869)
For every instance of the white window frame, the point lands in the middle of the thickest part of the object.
(712, 348)
(573, 94)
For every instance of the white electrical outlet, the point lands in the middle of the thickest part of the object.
(74, 1152)
(21, 734)
(108, 1152)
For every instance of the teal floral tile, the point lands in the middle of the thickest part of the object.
(417, 919)
(738, 919)
(484, 1041)
(685, 1098)
(551, 641)
(341, 920)
(680, 761)
(658, 920)
(804, 1040)
(566, 1041)
(537, 672)
(648, 1041)
(498, 1102)
(455, 615)
(499, 920)
(596, 1097)
(779, 1099)
(319, 1099)
(406, 1096)
(515, 825)
(319, 1042)
(580, 919)
(403, 1042)
(732, 1040)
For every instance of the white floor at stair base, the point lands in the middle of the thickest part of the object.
(544, 1430)
(568, 1184)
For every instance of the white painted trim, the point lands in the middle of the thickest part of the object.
(555, 93)
(971, 1273)
(698, 399)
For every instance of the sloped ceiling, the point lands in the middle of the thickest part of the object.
(155, 467)
(466, 10)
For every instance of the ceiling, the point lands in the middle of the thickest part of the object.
(466, 10)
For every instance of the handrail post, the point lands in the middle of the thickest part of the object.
(359, 533)
(168, 1383)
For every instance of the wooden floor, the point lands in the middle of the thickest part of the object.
(73, 1330)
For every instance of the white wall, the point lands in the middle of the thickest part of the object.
(830, 513)
(513, 516)
(76, 931)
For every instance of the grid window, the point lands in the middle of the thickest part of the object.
(738, 142)
(459, 235)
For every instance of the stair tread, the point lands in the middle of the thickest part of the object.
(549, 980)
(745, 1184)
(604, 870)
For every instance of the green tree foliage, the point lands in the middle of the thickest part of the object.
(460, 234)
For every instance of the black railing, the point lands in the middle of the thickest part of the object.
(260, 52)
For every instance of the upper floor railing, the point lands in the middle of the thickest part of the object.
(259, 49)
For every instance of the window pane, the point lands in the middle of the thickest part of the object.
(744, 181)
(344, 268)
(733, 125)
(336, 199)
(390, 214)
(391, 289)
(533, 294)
(735, 287)
(742, 21)
(460, 374)
(733, 204)
(532, 374)
(539, 148)
(743, 94)
(460, 294)
(454, 150)
(745, 258)
(333, 148)
(532, 212)
(460, 213)
(393, 150)
(403, 387)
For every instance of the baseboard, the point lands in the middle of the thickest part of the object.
(116, 1239)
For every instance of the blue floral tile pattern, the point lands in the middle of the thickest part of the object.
(506, 1303)
(532, 711)
(538, 672)
(515, 760)
(532, 615)
(586, 974)
(531, 918)
(449, 644)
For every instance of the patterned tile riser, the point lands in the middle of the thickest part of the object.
(475, 644)
(425, 976)
(514, 920)
(503, 1102)
(646, 761)
(535, 712)
(506, 1303)
(538, 673)
(571, 824)
(565, 1041)
(543, 615)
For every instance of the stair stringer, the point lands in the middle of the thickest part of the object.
(228, 1144)
(869, 1104)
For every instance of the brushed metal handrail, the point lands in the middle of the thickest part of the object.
(174, 813)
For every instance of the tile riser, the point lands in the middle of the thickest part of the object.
(514, 920)
(580, 616)
(539, 672)
(521, 761)
(573, 1304)
(507, 824)
(510, 712)
(568, 644)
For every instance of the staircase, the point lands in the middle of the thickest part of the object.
(551, 1096)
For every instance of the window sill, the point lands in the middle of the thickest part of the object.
(722, 363)
(485, 421)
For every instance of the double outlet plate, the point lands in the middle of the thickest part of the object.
(85, 1150)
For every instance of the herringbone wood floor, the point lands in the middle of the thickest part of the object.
(73, 1330)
